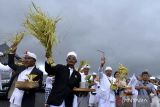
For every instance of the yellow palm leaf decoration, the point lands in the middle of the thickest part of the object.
(17, 39)
(42, 27)
(82, 63)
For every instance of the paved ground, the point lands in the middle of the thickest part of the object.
(39, 101)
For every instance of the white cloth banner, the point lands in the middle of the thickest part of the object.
(133, 81)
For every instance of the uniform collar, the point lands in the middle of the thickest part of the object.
(70, 67)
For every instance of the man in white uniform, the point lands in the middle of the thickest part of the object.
(107, 95)
(85, 72)
(92, 98)
(24, 97)
(155, 99)
(83, 98)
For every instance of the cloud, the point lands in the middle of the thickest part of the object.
(128, 31)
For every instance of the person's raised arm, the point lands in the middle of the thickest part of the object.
(50, 66)
(11, 55)
(100, 70)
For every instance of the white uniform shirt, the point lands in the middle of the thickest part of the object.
(71, 71)
(106, 92)
(112, 94)
(49, 81)
(112, 79)
(17, 95)
(83, 77)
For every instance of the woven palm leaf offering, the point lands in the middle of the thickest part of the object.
(123, 72)
(87, 82)
(29, 84)
(89, 79)
(43, 28)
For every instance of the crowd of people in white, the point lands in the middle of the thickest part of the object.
(137, 91)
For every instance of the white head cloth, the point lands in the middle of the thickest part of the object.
(94, 73)
(152, 78)
(108, 68)
(72, 53)
(31, 55)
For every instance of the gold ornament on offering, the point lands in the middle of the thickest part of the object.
(42, 27)
(31, 77)
(114, 86)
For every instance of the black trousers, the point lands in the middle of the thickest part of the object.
(28, 100)
(69, 100)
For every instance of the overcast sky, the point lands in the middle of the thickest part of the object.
(126, 30)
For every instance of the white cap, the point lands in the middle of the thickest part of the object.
(31, 55)
(1, 54)
(72, 53)
(152, 78)
(108, 68)
(94, 73)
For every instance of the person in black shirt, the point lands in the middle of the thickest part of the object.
(66, 78)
